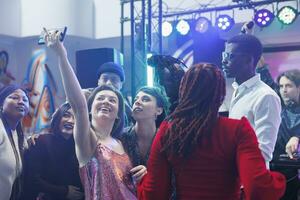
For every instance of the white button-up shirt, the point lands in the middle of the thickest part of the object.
(261, 106)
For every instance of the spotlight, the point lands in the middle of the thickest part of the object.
(287, 15)
(263, 17)
(167, 29)
(183, 27)
(224, 22)
(202, 24)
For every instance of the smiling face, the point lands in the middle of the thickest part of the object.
(105, 105)
(66, 124)
(145, 107)
(16, 105)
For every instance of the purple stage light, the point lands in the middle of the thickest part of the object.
(263, 17)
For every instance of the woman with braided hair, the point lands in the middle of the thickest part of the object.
(211, 156)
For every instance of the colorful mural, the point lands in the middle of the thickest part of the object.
(41, 84)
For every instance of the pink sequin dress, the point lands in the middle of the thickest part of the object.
(106, 176)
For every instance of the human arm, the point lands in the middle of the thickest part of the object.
(259, 183)
(85, 141)
(267, 120)
(263, 69)
(156, 184)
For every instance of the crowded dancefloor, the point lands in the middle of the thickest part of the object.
(150, 100)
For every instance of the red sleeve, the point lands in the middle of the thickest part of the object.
(157, 183)
(259, 183)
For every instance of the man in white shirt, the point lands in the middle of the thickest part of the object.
(252, 98)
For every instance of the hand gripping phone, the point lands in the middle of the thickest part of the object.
(62, 31)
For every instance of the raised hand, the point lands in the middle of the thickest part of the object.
(248, 28)
(52, 40)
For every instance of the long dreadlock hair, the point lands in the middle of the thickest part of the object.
(201, 93)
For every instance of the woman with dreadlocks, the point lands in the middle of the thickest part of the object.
(168, 74)
(211, 156)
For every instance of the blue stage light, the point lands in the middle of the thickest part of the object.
(224, 22)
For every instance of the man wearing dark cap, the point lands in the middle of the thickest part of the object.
(112, 74)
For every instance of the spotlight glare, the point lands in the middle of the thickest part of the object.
(287, 15)
(183, 27)
(202, 25)
(225, 22)
(263, 17)
(166, 29)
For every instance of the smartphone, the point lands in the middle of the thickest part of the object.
(63, 32)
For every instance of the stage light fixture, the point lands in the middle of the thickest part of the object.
(224, 22)
(183, 27)
(263, 17)
(202, 24)
(287, 15)
(167, 29)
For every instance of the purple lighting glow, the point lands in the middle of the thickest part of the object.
(263, 17)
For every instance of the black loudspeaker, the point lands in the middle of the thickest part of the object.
(89, 60)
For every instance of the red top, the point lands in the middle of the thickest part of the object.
(214, 169)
